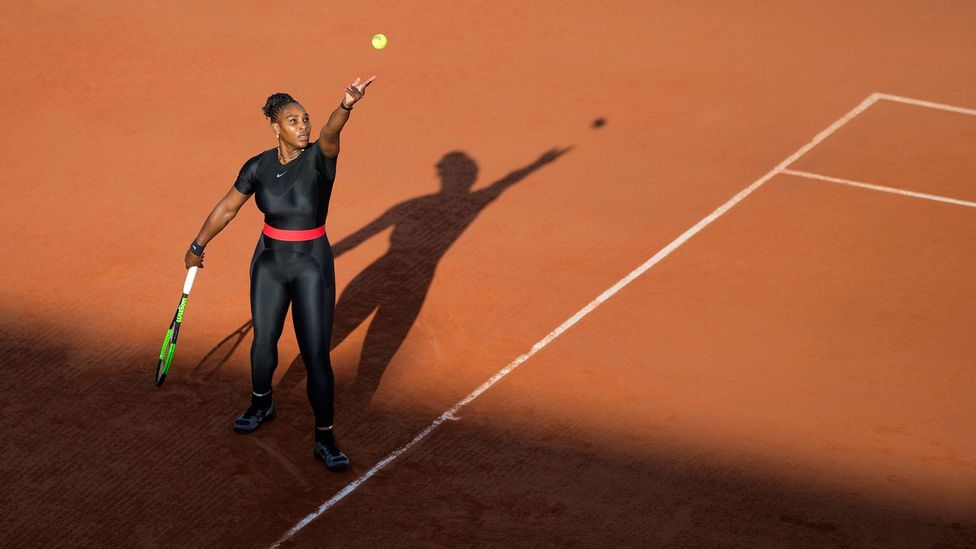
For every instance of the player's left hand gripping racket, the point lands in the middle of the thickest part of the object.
(169, 343)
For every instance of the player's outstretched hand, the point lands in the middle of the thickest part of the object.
(355, 91)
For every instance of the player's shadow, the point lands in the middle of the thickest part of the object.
(396, 284)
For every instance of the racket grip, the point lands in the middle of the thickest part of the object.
(189, 279)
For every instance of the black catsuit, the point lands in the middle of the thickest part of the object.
(294, 196)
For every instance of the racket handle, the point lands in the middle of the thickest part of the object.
(189, 279)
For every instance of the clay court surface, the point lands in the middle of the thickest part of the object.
(794, 369)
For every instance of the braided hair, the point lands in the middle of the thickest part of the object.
(275, 103)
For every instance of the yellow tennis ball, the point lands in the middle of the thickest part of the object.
(379, 41)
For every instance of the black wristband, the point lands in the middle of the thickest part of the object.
(196, 249)
(342, 105)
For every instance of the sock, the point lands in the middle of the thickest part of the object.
(326, 438)
(261, 401)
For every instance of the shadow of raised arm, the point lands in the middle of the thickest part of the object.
(495, 189)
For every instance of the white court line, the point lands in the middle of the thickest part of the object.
(666, 251)
(928, 104)
(881, 188)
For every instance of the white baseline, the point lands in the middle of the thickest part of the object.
(927, 104)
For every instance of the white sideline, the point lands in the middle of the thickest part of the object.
(664, 252)
(881, 188)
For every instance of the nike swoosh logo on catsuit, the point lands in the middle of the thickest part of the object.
(283, 173)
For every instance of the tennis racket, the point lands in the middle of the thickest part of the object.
(169, 342)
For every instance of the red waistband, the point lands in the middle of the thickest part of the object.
(286, 234)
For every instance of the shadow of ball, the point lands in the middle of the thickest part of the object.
(599, 123)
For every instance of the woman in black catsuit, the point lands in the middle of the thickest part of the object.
(293, 261)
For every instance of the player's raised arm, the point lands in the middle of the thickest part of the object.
(329, 135)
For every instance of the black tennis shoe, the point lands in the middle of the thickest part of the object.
(252, 418)
(334, 459)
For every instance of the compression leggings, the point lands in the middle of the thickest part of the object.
(302, 273)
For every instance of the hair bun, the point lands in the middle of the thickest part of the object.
(274, 104)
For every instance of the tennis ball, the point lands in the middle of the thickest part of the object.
(379, 41)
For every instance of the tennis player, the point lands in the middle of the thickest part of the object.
(292, 262)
